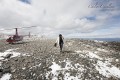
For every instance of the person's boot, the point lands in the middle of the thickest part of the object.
(60, 50)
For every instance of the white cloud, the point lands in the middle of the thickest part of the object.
(52, 16)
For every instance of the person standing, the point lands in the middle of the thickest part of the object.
(60, 41)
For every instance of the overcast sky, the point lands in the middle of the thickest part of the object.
(72, 18)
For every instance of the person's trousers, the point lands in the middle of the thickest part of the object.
(61, 46)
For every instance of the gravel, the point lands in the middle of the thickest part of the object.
(41, 53)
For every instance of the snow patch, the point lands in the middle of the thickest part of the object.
(117, 60)
(68, 77)
(13, 54)
(89, 53)
(56, 70)
(24, 68)
(104, 68)
(11, 51)
(92, 55)
(55, 67)
(98, 41)
(103, 50)
(6, 76)
(36, 66)
(107, 71)
(78, 51)
(68, 65)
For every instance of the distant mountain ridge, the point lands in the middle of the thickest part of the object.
(104, 39)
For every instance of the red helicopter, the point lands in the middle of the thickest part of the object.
(15, 38)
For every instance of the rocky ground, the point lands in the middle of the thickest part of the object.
(40, 60)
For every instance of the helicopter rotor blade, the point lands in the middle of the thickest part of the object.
(18, 28)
